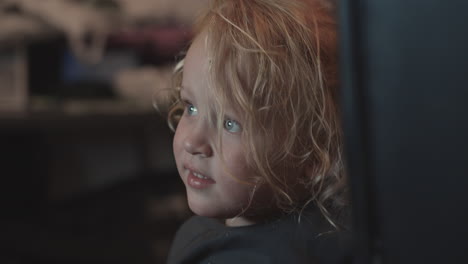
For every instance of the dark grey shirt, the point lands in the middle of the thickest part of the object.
(308, 239)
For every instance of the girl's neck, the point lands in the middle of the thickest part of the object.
(239, 222)
(262, 216)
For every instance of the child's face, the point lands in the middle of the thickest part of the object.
(213, 182)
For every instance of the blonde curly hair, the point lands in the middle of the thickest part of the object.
(276, 61)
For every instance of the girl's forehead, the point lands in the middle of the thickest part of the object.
(198, 51)
(196, 69)
(198, 80)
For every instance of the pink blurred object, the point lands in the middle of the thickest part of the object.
(161, 41)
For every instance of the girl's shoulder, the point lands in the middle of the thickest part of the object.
(291, 239)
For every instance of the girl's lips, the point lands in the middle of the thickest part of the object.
(198, 180)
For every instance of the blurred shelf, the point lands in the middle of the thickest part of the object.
(72, 115)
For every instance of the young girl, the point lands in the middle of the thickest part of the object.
(258, 145)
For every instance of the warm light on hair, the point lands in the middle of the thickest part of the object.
(275, 62)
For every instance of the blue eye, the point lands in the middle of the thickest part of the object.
(191, 109)
(232, 126)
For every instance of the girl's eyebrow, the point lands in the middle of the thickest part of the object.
(184, 88)
(184, 92)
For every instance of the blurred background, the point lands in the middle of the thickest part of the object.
(87, 172)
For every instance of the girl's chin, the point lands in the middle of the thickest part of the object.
(206, 210)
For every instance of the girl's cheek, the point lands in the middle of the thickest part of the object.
(177, 142)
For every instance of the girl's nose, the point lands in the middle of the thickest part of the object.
(197, 143)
